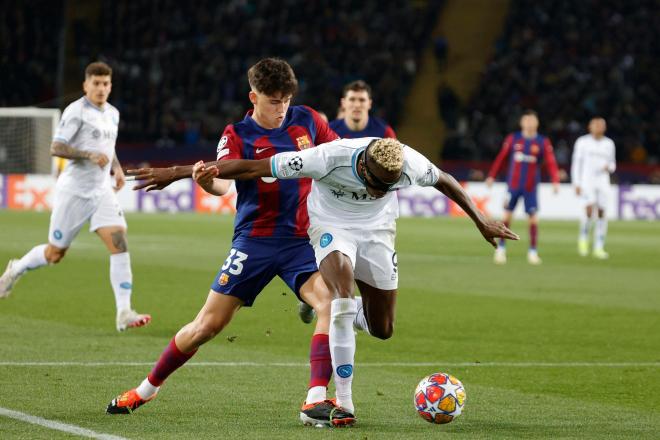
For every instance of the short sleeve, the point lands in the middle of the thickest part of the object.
(419, 169)
(230, 145)
(296, 164)
(69, 124)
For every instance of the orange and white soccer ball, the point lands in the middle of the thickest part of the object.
(439, 398)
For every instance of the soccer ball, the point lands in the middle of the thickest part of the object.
(439, 398)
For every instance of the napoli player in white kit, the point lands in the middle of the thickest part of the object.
(594, 159)
(84, 192)
(352, 210)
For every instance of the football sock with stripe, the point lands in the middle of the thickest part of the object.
(342, 347)
(320, 363)
(170, 360)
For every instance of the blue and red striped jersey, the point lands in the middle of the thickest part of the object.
(376, 127)
(526, 155)
(268, 207)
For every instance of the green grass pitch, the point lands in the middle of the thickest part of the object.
(569, 349)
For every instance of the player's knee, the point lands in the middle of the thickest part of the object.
(382, 330)
(119, 240)
(205, 331)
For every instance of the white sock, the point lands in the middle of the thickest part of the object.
(121, 279)
(360, 322)
(601, 233)
(585, 226)
(35, 258)
(146, 390)
(342, 348)
(316, 394)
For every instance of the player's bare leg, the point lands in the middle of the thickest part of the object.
(500, 253)
(532, 253)
(378, 310)
(317, 410)
(38, 256)
(214, 316)
(599, 235)
(121, 277)
(585, 228)
(337, 271)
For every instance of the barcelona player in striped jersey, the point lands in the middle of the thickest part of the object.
(356, 121)
(526, 151)
(270, 239)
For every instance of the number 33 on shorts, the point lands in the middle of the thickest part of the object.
(234, 262)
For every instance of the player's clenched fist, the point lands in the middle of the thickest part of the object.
(99, 159)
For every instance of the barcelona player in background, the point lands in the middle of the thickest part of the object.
(355, 120)
(526, 151)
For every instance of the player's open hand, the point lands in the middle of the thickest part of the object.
(99, 159)
(151, 178)
(204, 176)
(492, 229)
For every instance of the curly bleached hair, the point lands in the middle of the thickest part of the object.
(388, 153)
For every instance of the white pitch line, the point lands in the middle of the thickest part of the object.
(358, 364)
(57, 426)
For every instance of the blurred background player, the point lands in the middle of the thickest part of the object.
(353, 118)
(526, 150)
(594, 159)
(86, 137)
(270, 238)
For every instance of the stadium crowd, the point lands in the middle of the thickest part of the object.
(181, 65)
(571, 60)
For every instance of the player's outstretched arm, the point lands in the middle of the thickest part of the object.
(490, 229)
(159, 178)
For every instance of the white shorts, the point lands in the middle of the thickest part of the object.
(70, 212)
(596, 195)
(371, 252)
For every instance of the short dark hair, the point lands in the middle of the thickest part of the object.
(356, 86)
(530, 112)
(272, 75)
(98, 68)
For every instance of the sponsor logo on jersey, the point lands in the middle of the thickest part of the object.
(303, 142)
(96, 133)
(326, 239)
(57, 234)
(224, 279)
(261, 150)
(345, 370)
(519, 156)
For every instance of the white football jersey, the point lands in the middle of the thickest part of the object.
(339, 196)
(86, 127)
(593, 161)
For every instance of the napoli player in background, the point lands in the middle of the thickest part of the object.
(270, 239)
(355, 120)
(84, 192)
(594, 159)
(526, 151)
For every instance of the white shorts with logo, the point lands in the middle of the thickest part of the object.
(596, 195)
(371, 252)
(70, 212)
